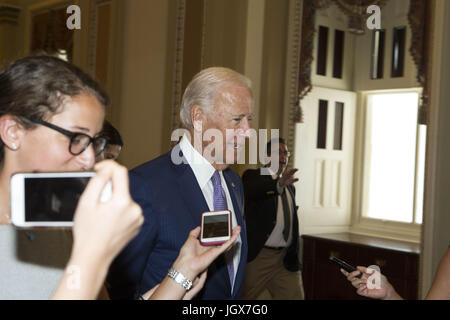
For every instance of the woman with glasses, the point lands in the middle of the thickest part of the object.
(51, 114)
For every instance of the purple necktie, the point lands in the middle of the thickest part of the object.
(220, 203)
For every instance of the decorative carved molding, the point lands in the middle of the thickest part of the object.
(9, 14)
(177, 80)
(306, 27)
(202, 59)
(295, 41)
(93, 28)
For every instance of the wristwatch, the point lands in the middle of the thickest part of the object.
(179, 278)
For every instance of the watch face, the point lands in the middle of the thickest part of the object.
(180, 279)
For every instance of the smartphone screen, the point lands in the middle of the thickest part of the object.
(52, 199)
(215, 226)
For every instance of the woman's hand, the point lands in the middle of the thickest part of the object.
(193, 259)
(197, 285)
(372, 284)
(104, 228)
(101, 230)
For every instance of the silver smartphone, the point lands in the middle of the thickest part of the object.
(48, 199)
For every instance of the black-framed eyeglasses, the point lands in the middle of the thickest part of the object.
(78, 141)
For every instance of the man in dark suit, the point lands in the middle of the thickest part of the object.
(176, 188)
(272, 229)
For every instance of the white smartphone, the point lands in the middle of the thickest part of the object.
(215, 227)
(48, 199)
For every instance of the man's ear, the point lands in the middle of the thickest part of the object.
(10, 132)
(197, 117)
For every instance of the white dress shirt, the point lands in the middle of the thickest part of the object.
(203, 171)
(276, 238)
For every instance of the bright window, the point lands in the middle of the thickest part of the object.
(395, 158)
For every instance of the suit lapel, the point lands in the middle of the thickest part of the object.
(291, 192)
(192, 195)
(294, 213)
(237, 200)
(190, 191)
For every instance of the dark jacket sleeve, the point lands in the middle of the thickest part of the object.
(258, 187)
(126, 271)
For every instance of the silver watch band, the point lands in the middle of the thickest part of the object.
(179, 278)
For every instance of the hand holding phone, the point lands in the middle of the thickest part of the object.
(215, 228)
(344, 265)
(101, 230)
(194, 260)
(106, 226)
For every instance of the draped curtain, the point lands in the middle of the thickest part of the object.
(418, 18)
(356, 11)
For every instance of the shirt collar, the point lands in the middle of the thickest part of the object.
(272, 173)
(202, 168)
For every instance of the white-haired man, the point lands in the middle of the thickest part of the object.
(176, 188)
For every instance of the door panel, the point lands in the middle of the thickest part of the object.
(324, 157)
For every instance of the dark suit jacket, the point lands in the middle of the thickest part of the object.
(172, 204)
(261, 203)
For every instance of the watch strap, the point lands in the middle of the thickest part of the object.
(179, 278)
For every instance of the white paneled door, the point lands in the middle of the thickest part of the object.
(324, 157)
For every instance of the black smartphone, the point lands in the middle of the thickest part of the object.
(344, 265)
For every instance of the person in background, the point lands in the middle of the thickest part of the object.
(272, 224)
(114, 142)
